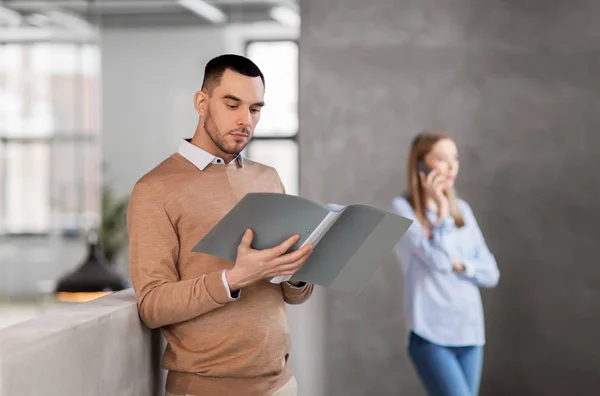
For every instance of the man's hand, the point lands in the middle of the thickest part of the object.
(253, 265)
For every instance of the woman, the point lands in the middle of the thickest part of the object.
(445, 259)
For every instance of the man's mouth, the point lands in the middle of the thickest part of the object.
(239, 135)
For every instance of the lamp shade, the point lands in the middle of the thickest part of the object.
(93, 278)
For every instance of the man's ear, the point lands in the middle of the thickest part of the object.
(201, 102)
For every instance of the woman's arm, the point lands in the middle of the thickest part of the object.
(415, 245)
(482, 267)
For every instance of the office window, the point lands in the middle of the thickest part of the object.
(275, 137)
(49, 129)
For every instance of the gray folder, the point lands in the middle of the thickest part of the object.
(349, 242)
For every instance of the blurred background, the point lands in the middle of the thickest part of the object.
(93, 94)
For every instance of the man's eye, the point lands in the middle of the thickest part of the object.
(255, 110)
(232, 106)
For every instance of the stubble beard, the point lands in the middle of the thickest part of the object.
(213, 133)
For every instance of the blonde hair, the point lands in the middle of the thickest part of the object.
(421, 146)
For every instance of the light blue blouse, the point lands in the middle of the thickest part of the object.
(442, 305)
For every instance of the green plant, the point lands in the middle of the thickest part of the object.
(112, 234)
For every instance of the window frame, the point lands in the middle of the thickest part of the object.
(78, 138)
(295, 137)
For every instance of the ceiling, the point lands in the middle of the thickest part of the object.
(143, 13)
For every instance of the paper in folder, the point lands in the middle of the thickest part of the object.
(350, 242)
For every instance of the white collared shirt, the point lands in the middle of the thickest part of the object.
(202, 158)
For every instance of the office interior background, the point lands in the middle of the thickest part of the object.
(95, 93)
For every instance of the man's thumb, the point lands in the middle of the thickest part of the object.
(247, 239)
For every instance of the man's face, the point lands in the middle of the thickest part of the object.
(233, 110)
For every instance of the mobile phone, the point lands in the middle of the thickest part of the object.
(421, 167)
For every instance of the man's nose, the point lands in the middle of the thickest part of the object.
(244, 118)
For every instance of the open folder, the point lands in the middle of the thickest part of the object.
(349, 242)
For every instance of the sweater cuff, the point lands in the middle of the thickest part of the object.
(296, 295)
(294, 288)
(236, 293)
(300, 285)
(218, 290)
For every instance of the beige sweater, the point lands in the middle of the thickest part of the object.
(217, 345)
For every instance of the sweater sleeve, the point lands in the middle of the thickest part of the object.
(162, 298)
(296, 294)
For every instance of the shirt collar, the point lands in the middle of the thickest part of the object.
(202, 158)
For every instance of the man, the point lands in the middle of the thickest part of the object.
(224, 323)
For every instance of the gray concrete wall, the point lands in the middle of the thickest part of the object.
(516, 83)
(95, 349)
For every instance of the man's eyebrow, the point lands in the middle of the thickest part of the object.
(231, 97)
(236, 99)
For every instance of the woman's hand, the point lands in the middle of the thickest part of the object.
(434, 184)
(458, 266)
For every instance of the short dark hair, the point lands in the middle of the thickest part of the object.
(213, 72)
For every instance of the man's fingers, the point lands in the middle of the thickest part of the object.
(292, 266)
(303, 252)
(290, 269)
(282, 248)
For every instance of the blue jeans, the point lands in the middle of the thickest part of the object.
(446, 371)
